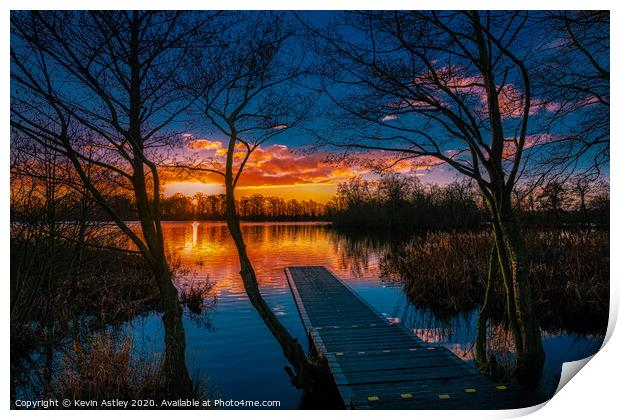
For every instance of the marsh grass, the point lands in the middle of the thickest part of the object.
(197, 295)
(442, 272)
(111, 286)
(445, 272)
(570, 279)
(106, 368)
(66, 300)
(63, 293)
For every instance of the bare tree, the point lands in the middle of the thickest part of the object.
(582, 187)
(552, 198)
(451, 88)
(573, 79)
(107, 83)
(585, 192)
(249, 98)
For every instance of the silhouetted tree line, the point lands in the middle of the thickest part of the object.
(579, 201)
(394, 201)
(176, 207)
(400, 201)
(254, 207)
(404, 202)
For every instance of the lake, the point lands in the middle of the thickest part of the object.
(232, 350)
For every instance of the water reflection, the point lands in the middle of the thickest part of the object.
(239, 355)
(205, 249)
(195, 234)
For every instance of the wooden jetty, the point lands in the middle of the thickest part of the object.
(382, 365)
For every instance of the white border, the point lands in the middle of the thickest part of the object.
(308, 5)
(592, 395)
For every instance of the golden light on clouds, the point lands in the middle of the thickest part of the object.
(205, 144)
(317, 192)
(190, 188)
(276, 170)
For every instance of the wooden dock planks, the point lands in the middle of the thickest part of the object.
(382, 365)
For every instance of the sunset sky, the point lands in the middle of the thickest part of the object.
(287, 171)
(312, 119)
(290, 165)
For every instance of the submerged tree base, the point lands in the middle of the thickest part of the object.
(320, 391)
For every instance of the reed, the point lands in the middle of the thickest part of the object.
(441, 271)
(197, 295)
(569, 271)
(106, 368)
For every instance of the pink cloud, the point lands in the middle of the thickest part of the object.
(530, 141)
(511, 99)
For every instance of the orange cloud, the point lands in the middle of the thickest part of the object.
(205, 144)
(282, 169)
(280, 165)
(273, 165)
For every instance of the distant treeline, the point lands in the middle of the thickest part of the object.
(179, 207)
(403, 202)
(393, 201)
(254, 207)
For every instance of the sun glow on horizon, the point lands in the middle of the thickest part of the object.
(318, 192)
(284, 171)
(189, 188)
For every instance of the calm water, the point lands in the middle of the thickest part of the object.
(233, 350)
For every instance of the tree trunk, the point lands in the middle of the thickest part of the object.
(505, 269)
(583, 210)
(485, 311)
(290, 346)
(530, 353)
(177, 379)
(512, 263)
